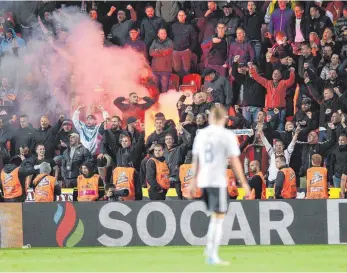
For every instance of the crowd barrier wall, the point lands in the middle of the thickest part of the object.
(142, 223)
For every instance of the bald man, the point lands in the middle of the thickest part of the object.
(257, 182)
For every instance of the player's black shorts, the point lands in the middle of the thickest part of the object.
(216, 199)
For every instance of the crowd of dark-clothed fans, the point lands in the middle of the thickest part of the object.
(279, 67)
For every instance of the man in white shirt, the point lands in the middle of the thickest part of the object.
(212, 147)
(277, 150)
(297, 28)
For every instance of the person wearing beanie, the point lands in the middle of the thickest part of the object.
(131, 129)
(90, 186)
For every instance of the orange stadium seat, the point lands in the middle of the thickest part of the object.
(174, 82)
(192, 79)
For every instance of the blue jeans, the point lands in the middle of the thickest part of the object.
(162, 80)
(257, 49)
(322, 136)
(337, 182)
(282, 117)
(250, 113)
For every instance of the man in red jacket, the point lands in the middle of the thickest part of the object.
(275, 92)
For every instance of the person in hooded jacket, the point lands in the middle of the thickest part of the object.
(13, 178)
(11, 44)
(63, 135)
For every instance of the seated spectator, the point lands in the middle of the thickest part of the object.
(120, 31)
(135, 43)
(218, 86)
(317, 179)
(73, 157)
(125, 176)
(256, 182)
(45, 185)
(132, 108)
(184, 38)
(90, 138)
(161, 50)
(11, 44)
(90, 186)
(157, 174)
(13, 178)
(285, 184)
(109, 194)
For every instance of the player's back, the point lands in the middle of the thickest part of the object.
(213, 145)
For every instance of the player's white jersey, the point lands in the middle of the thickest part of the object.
(213, 145)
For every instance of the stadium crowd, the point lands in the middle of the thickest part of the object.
(279, 67)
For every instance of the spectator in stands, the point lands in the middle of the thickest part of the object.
(318, 22)
(311, 147)
(307, 58)
(12, 44)
(326, 58)
(23, 136)
(131, 129)
(250, 94)
(285, 184)
(257, 181)
(305, 117)
(89, 136)
(343, 189)
(218, 86)
(109, 194)
(167, 10)
(47, 135)
(231, 21)
(157, 174)
(242, 48)
(275, 91)
(208, 22)
(280, 18)
(132, 108)
(281, 50)
(125, 176)
(216, 50)
(13, 178)
(199, 106)
(45, 185)
(135, 42)
(339, 157)
(162, 52)
(327, 37)
(317, 179)
(333, 65)
(120, 31)
(184, 38)
(73, 158)
(149, 26)
(63, 135)
(341, 25)
(90, 186)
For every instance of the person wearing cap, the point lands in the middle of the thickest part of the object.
(218, 86)
(89, 131)
(73, 157)
(63, 135)
(131, 129)
(231, 21)
(135, 42)
(120, 31)
(184, 38)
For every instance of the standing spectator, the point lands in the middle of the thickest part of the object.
(280, 18)
(318, 22)
(251, 95)
(184, 38)
(208, 23)
(131, 129)
(341, 24)
(240, 47)
(297, 28)
(63, 135)
(73, 158)
(333, 65)
(89, 131)
(120, 31)
(149, 26)
(231, 21)
(157, 174)
(168, 10)
(218, 86)
(162, 52)
(135, 43)
(285, 185)
(276, 92)
(45, 185)
(132, 108)
(307, 58)
(252, 25)
(11, 44)
(217, 49)
(13, 178)
(23, 136)
(335, 8)
(90, 186)
(339, 157)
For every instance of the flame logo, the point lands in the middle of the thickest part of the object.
(70, 230)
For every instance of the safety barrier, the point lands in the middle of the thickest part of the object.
(68, 224)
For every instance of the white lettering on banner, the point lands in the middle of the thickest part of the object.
(266, 225)
(141, 224)
(245, 232)
(114, 224)
(185, 223)
(333, 218)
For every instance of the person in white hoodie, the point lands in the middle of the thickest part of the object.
(89, 131)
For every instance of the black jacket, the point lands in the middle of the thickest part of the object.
(303, 27)
(25, 169)
(64, 137)
(183, 36)
(149, 28)
(252, 23)
(23, 137)
(135, 150)
(222, 92)
(70, 168)
(48, 137)
(319, 24)
(339, 160)
(196, 108)
(111, 141)
(232, 22)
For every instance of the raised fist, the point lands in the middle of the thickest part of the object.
(292, 69)
(129, 7)
(236, 58)
(113, 9)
